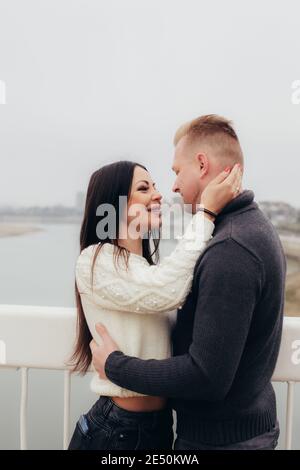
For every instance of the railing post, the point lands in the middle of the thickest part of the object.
(23, 408)
(67, 394)
(289, 416)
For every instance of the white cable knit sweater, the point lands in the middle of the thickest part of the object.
(137, 305)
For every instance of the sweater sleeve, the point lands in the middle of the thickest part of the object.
(144, 288)
(229, 281)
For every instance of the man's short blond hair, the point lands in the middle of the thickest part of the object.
(215, 131)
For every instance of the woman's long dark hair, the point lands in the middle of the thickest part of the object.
(106, 185)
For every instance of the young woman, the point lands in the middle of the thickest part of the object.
(119, 284)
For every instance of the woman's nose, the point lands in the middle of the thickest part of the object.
(157, 196)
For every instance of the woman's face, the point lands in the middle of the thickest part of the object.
(144, 203)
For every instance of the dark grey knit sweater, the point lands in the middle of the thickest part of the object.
(227, 335)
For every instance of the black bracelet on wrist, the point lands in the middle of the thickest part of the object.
(208, 211)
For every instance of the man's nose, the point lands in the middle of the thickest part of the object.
(175, 188)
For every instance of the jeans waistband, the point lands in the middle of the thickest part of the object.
(110, 408)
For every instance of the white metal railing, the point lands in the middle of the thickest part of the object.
(50, 332)
(44, 327)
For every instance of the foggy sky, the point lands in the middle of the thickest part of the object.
(90, 82)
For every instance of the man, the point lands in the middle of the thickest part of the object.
(227, 335)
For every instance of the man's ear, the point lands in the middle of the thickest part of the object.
(202, 161)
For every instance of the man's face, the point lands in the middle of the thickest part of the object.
(187, 167)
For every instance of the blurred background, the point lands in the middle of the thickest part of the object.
(84, 83)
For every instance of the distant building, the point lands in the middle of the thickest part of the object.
(280, 212)
(80, 201)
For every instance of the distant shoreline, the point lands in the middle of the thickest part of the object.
(14, 230)
(291, 246)
(40, 219)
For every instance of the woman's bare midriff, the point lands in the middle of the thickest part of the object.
(148, 403)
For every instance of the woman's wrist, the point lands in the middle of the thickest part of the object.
(209, 213)
(209, 216)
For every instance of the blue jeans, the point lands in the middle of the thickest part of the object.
(106, 426)
(266, 441)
